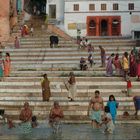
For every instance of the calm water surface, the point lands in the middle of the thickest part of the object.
(73, 132)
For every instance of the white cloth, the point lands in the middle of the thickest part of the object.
(72, 91)
(110, 125)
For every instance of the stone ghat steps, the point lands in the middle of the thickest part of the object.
(60, 84)
(108, 37)
(46, 39)
(32, 46)
(54, 59)
(123, 100)
(64, 50)
(47, 43)
(85, 87)
(67, 107)
(72, 110)
(53, 72)
(58, 95)
(62, 79)
(70, 50)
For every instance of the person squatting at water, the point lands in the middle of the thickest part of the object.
(25, 117)
(107, 121)
(96, 103)
(46, 93)
(55, 116)
(34, 122)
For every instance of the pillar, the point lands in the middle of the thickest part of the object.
(97, 26)
(110, 26)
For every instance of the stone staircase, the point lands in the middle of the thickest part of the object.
(35, 58)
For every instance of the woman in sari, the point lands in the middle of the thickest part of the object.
(25, 30)
(1, 66)
(117, 64)
(7, 65)
(109, 68)
(138, 66)
(46, 93)
(132, 64)
(125, 65)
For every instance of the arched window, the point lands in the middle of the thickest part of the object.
(92, 24)
(115, 23)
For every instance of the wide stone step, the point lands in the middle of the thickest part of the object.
(61, 49)
(38, 90)
(28, 72)
(65, 107)
(47, 41)
(62, 79)
(57, 94)
(82, 99)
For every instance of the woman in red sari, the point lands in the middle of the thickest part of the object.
(7, 65)
(138, 66)
(132, 64)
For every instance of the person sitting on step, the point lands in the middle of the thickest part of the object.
(83, 64)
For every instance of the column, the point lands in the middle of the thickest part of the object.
(110, 26)
(97, 27)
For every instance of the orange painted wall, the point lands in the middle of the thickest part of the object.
(4, 20)
(98, 19)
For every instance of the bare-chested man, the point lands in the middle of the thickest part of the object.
(55, 116)
(96, 103)
(26, 116)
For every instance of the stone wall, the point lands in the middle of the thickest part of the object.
(4, 20)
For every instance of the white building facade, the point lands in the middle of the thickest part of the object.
(55, 9)
(102, 17)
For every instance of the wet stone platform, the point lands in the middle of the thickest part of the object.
(73, 132)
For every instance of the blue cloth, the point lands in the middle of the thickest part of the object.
(19, 5)
(113, 109)
(1, 71)
(26, 127)
(96, 116)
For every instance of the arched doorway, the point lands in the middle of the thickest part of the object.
(115, 27)
(92, 28)
(39, 6)
(104, 27)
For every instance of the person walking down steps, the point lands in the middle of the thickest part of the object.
(71, 86)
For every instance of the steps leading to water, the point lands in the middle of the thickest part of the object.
(35, 57)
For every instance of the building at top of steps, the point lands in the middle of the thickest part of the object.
(89, 18)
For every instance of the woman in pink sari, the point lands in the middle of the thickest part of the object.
(109, 68)
(7, 65)
(117, 64)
